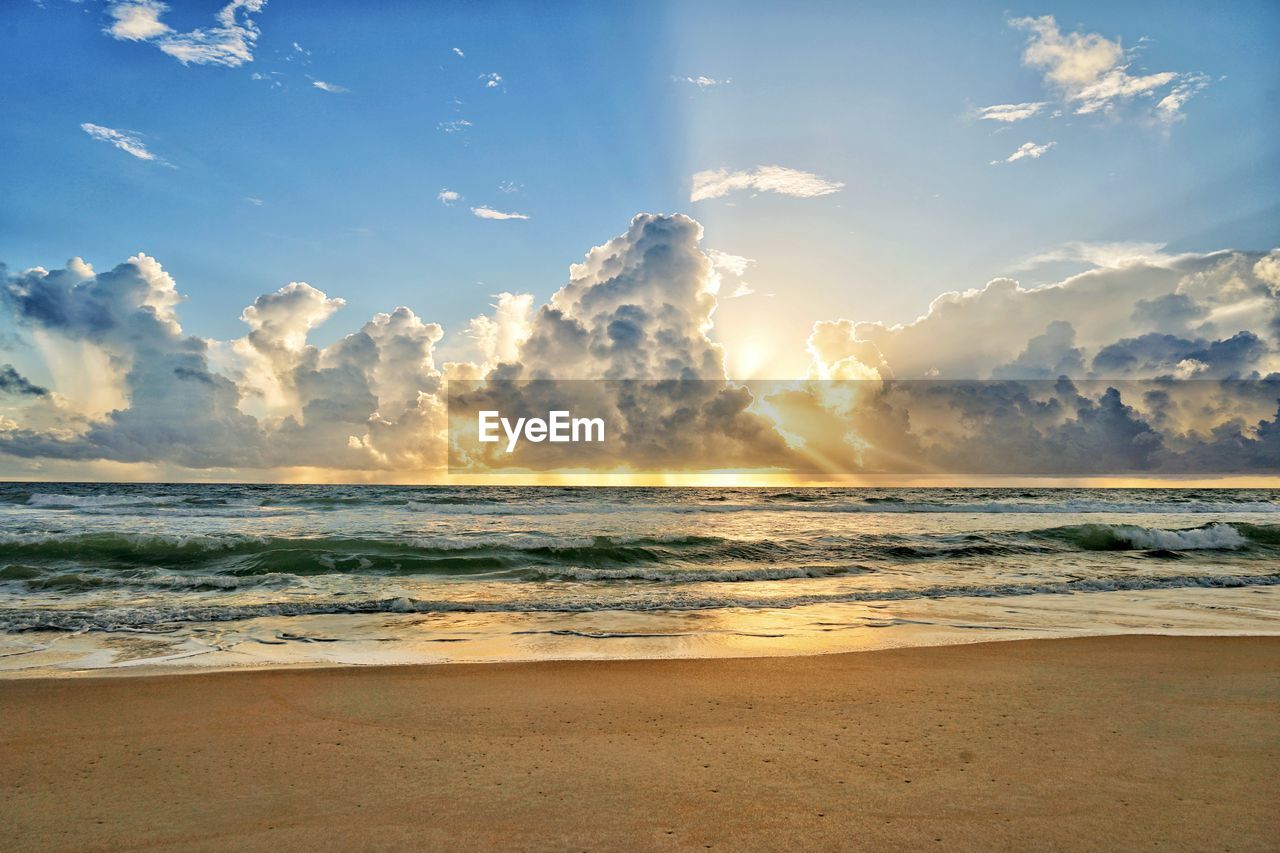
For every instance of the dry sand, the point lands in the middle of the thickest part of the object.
(1100, 743)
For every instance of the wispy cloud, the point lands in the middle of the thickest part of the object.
(126, 140)
(508, 187)
(448, 196)
(714, 183)
(740, 291)
(455, 126)
(1107, 255)
(725, 262)
(329, 87)
(1092, 72)
(1010, 112)
(256, 202)
(702, 82)
(492, 80)
(485, 212)
(459, 52)
(230, 42)
(1027, 150)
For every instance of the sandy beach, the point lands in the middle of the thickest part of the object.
(1092, 743)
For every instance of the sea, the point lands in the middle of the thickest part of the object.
(125, 578)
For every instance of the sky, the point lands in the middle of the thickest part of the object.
(843, 163)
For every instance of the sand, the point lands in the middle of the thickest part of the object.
(1071, 744)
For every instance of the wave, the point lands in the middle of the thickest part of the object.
(532, 556)
(170, 617)
(666, 575)
(1218, 536)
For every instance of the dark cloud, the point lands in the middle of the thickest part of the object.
(13, 382)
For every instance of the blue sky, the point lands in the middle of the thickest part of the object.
(593, 121)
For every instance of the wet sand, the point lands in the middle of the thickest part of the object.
(1076, 744)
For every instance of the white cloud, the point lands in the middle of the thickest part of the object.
(702, 82)
(1010, 112)
(725, 262)
(459, 52)
(329, 87)
(1026, 150)
(741, 290)
(1107, 255)
(455, 126)
(256, 202)
(229, 43)
(1136, 317)
(138, 20)
(127, 141)
(485, 212)
(1169, 108)
(492, 80)
(448, 196)
(1092, 72)
(714, 183)
(508, 187)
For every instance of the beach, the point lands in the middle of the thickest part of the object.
(1088, 743)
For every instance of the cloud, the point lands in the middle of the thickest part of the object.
(1137, 319)
(1092, 72)
(641, 307)
(126, 140)
(732, 264)
(455, 126)
(138, 20)
(1099, 254)
(702, 82)
(256, 202)
(13, 382)
(1010, 112)
(448, 196)
(714, 183)
(230, 42)
(741, 290)
(491, 80)
(489, 213)
(1026, 150)
(329, 87)
(458, 51)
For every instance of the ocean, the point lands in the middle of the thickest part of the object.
(116, 576)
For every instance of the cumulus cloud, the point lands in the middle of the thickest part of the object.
(1138, 319)
(138, 20)
(1093, 73)
(714, 183)
(458, 52)
(485, 212)
(1026, 150)
(1009, 113)
(126, 140)
(448, 196)
(230, 42)
(332, 88)
(491, 80)
(1085, 376)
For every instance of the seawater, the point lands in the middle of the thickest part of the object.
(108, 575)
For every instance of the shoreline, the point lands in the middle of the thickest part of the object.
(370, 640)
(1083, 743)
